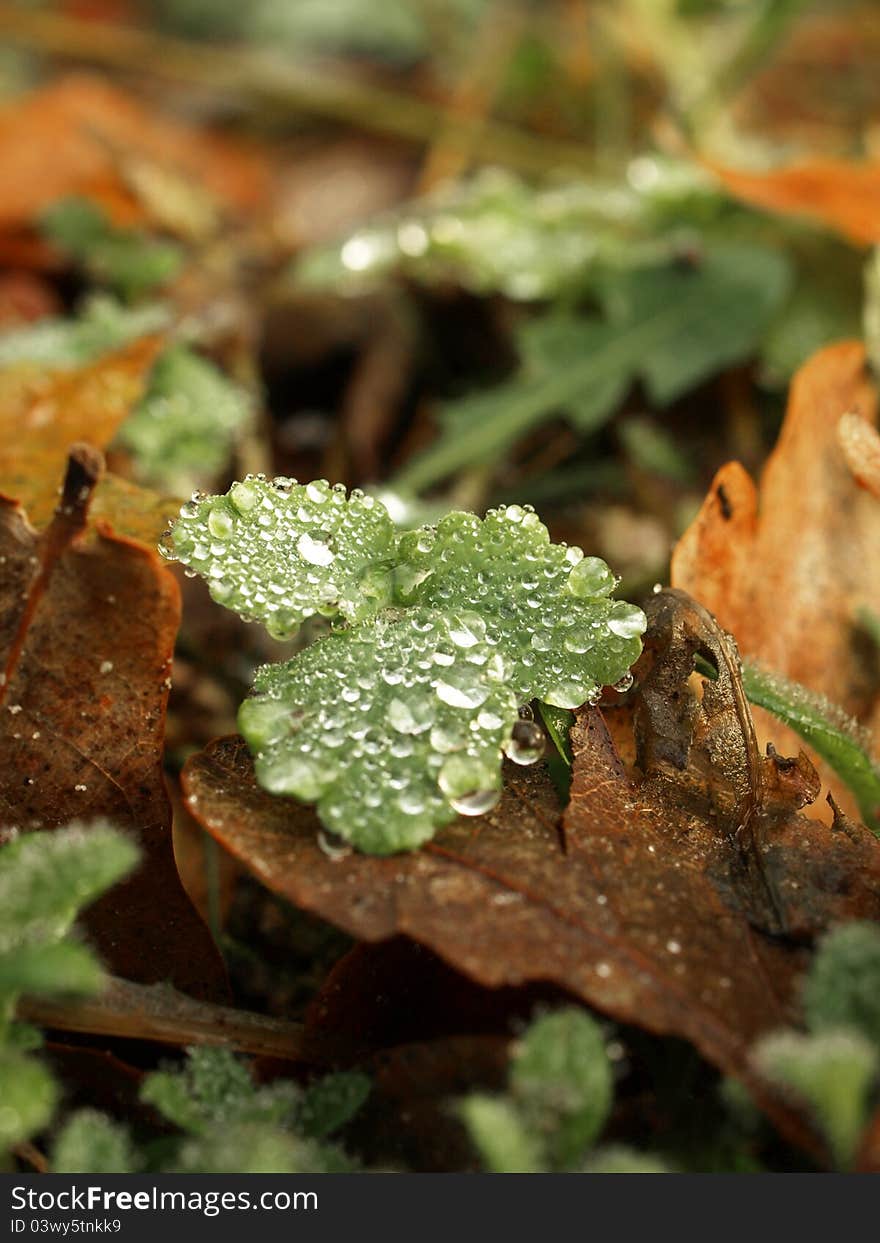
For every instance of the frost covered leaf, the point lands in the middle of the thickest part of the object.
(216, 1088)
(548, 608)
(91, 1143)
(562, 1081)
(184, 430)
(45, 879)
(278, 552)
(391, 728)
(832, 1073)
(28, 1093)
(234, 1125)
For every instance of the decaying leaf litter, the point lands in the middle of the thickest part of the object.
(598, 343)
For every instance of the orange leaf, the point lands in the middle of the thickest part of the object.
(787, 566)
(843, 195)
(76, 136)
(43, 412)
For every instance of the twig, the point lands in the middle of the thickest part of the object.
(264, 75)
(158, 1012)
(30, 1155)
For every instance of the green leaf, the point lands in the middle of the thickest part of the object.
(500, 1135)
(48, 970)
(669, 326)
(46, 879)
(843, 985)
(562, 1081)
(91, 1143)
(397, 724)
(827, 729)
(494, 233)
(234, 1126)
(215, 1088)
(391, 728)
(185, 429)
(280, 552)
(129, 261)
(27, 1098)
(546, 607)
(832, 1073)
(619, 1159)
(249, 1148)
(101, 326)
(331, 1102)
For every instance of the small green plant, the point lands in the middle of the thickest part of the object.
(396, 721)
(101, 325)
(559, 1097)
(185, 428)
(45, 880)
(127, 261)
(833, 1069)
(225, 1122)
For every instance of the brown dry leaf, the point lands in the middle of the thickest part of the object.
(87, 629)
(81, 135)
(786, 566)
(681, 901)
(841, 194)
(44, 411)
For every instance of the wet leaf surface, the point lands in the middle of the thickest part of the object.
(87, 628)
(788, 565)
(679, 893)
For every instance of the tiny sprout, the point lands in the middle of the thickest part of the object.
(396, 721)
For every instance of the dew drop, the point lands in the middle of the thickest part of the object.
(332, 846)
(477, 803)
(220, 522)
(243, 497)
(314, 551)
(591, 577)
(627, 620)
(525, 744)
(461, 691)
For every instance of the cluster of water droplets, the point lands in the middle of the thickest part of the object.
(397, 722)
(392, 728)
(546, 607)
(279, 551)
